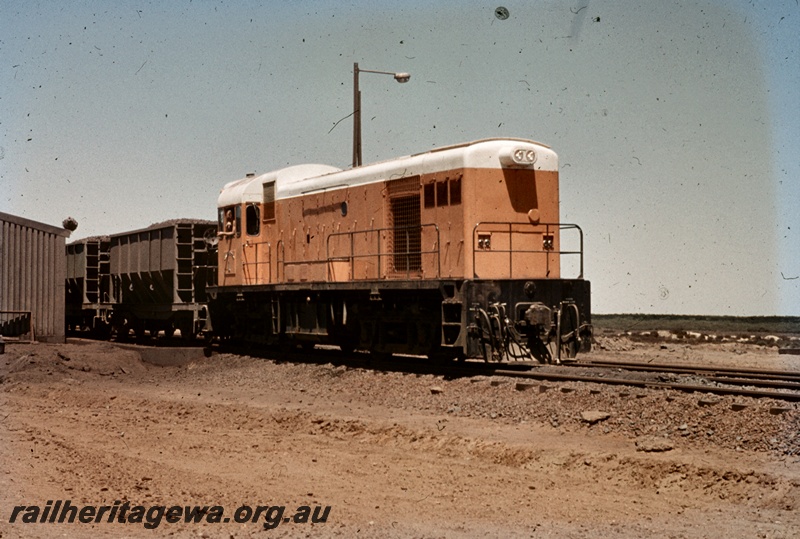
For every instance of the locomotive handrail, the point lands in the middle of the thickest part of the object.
(253, 279)
(281, 262)
(352, 256)
(548, 229)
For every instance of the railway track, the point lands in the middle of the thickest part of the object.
(755, 383)
(744, 377)
(729, 386)
(755, 374)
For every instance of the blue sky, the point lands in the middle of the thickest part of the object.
(677, 123)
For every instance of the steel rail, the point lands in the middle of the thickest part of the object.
(558, 377)
(727, 377)
(764, 374)
(755, 382)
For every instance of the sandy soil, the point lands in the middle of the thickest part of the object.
(392, 454)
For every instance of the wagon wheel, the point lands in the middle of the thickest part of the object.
(101, 330)
(138, 329)
(187, 331)
(122, 329)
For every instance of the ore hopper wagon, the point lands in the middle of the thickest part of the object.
(144, 281)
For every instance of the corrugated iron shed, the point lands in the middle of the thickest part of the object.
(32, 279)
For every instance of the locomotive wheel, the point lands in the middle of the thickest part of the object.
(569, 340)
(569, 349)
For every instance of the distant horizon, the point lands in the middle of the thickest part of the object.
(662, 315)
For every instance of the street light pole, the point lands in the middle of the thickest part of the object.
(356, 119)
(399, 77)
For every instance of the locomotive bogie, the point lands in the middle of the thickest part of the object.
(437, 318)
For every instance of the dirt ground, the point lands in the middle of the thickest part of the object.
(392, 454)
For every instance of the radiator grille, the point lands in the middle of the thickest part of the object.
(404, 219)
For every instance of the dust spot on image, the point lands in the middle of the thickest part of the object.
(663, 292)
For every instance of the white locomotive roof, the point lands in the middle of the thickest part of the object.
(250, 189)
(303, 179)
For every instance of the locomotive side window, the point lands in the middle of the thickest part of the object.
(252, 220)
(429, 193)
(441, 193)
(269, 202)
(455, 191)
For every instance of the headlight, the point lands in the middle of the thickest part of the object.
(517, 157)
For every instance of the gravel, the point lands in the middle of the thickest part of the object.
(685, 419)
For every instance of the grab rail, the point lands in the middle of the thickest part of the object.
(252, 279)
(480, 245)
(411, 260)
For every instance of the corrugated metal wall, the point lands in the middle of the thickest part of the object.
(33, 273)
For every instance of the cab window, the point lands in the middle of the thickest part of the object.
(252, 220)
(238, 224)
(228, 221)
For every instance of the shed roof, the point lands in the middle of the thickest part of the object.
(22, 221)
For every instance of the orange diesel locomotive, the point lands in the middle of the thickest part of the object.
(452, 253)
